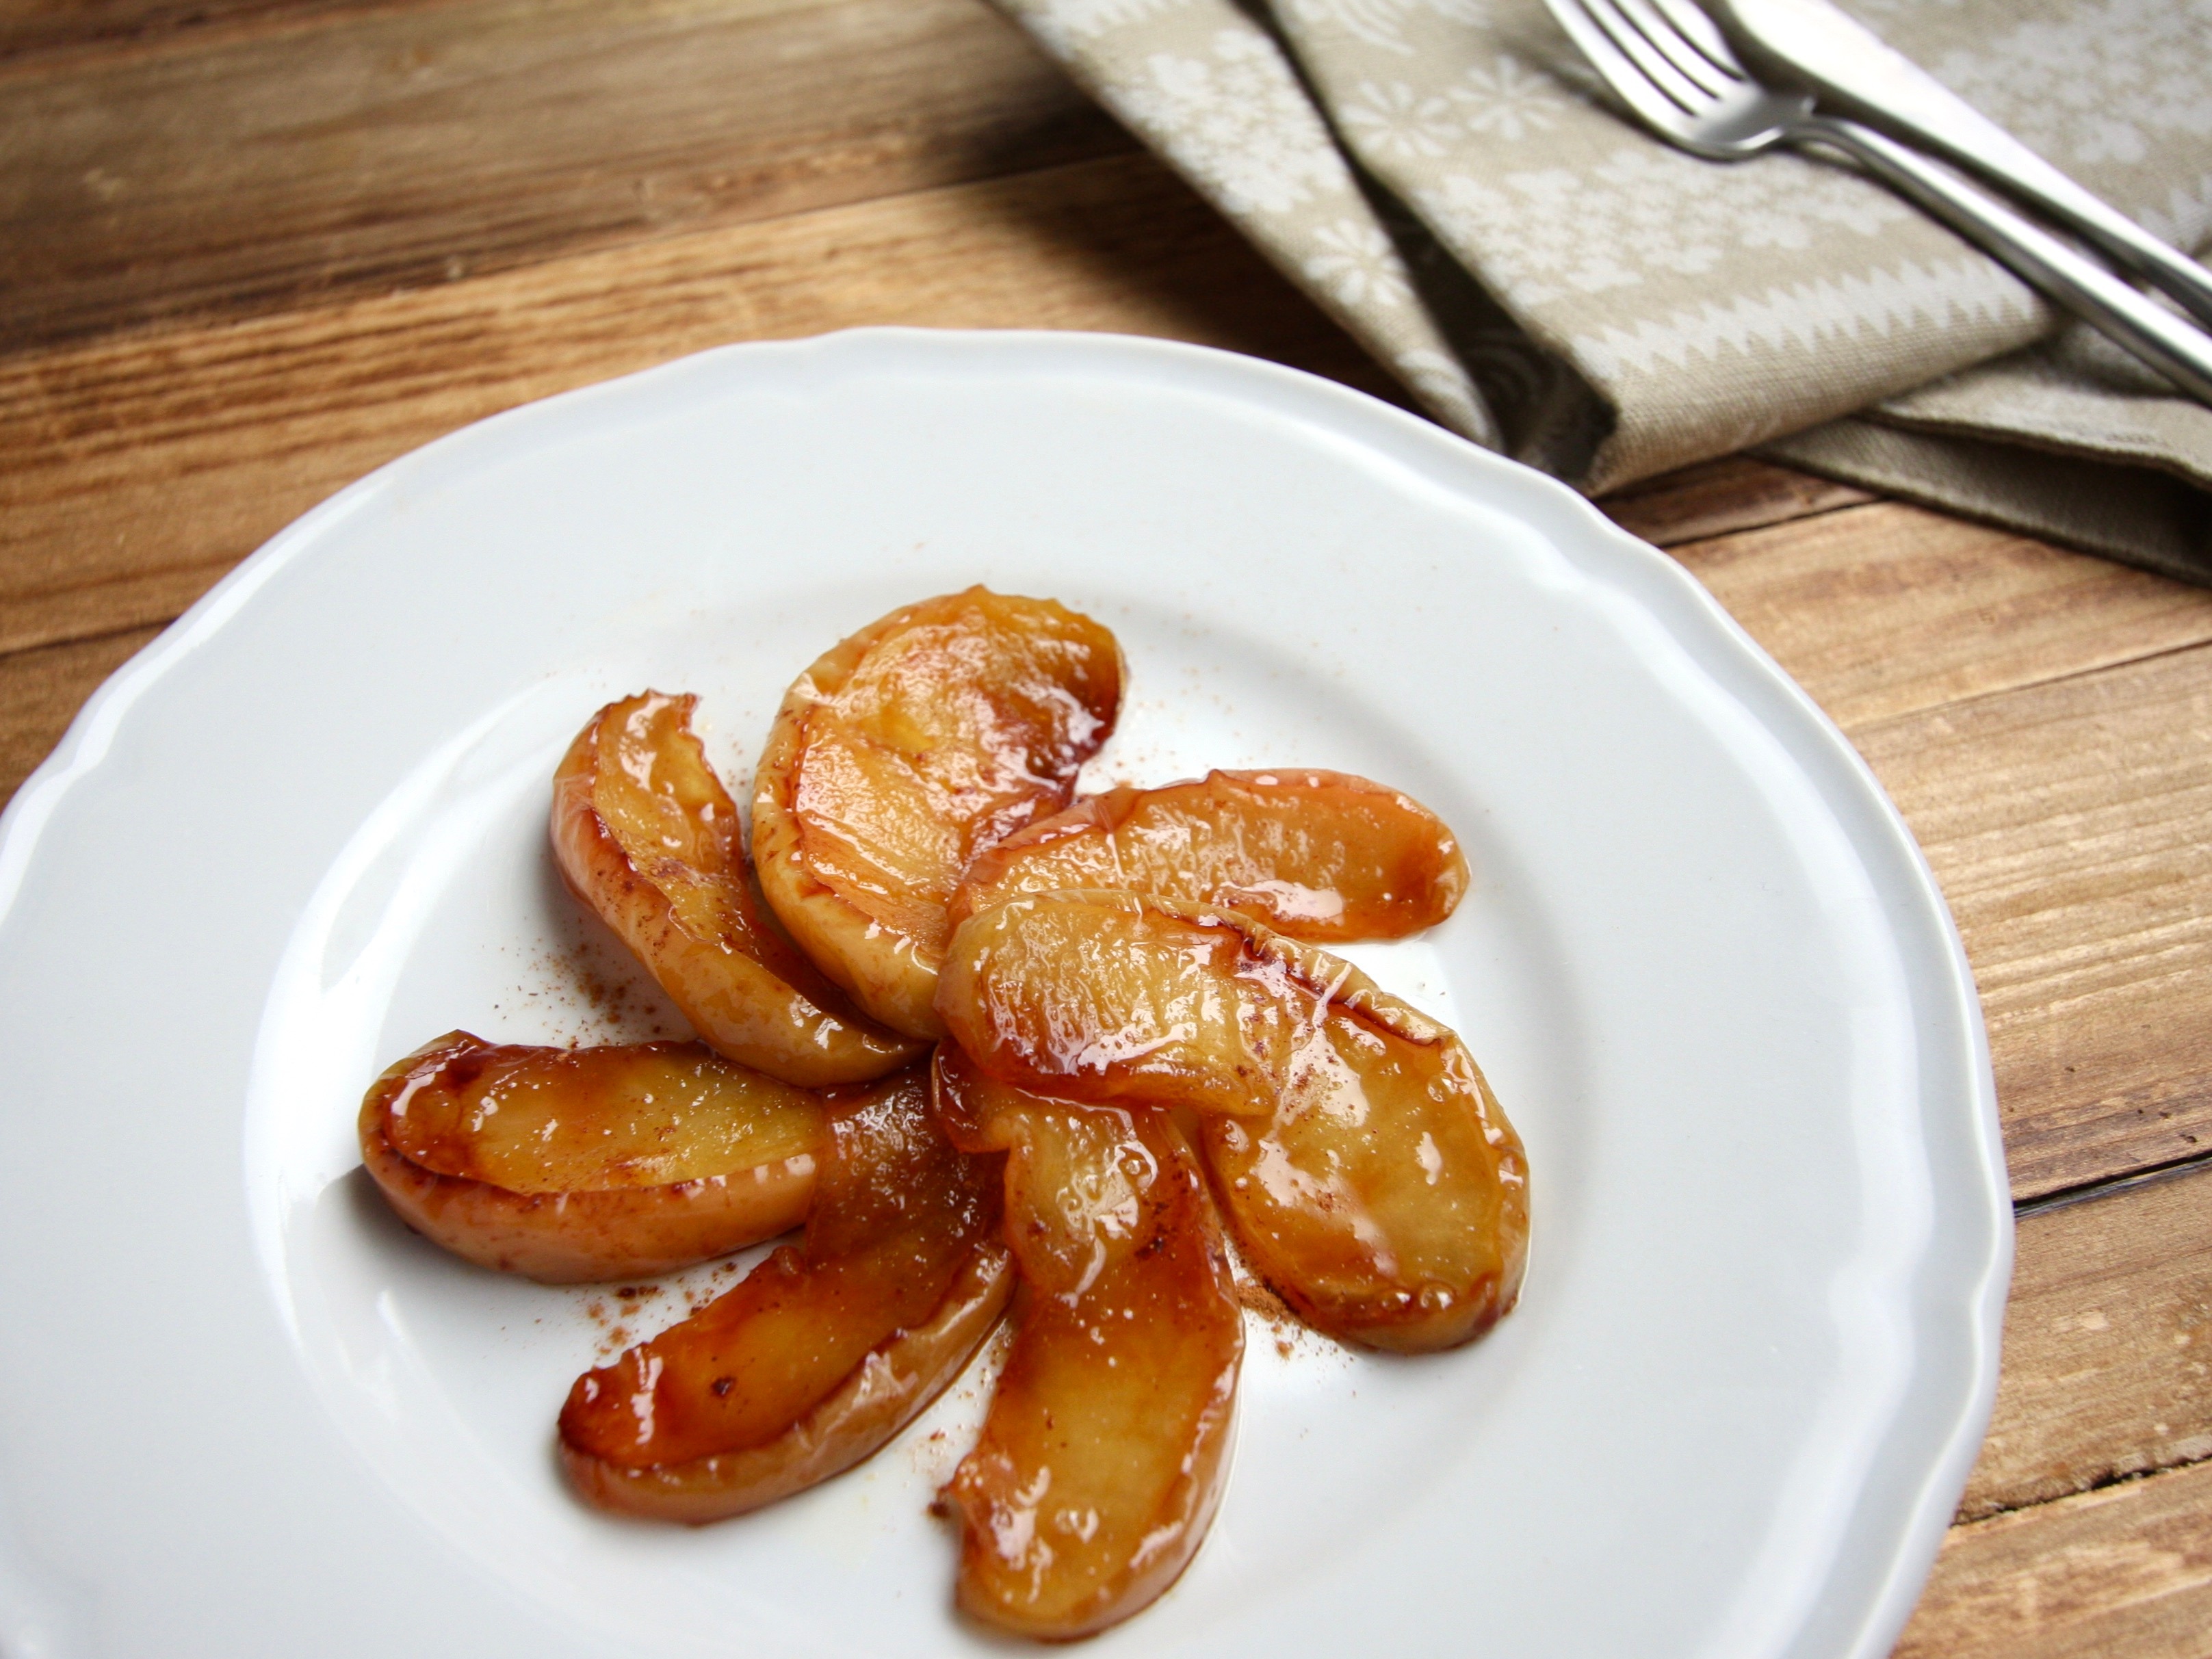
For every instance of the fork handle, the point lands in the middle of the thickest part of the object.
(2168, 342)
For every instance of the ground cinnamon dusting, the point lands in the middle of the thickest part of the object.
(610, 999)
(586, 986)
(1255, 1296)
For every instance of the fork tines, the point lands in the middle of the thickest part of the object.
(1672, 45)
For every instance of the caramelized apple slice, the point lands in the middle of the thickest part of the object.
(1118, 999)
(1104, 1451)
(1320, 856)
(570, 1165)
(902, 754)
(1387, 1199)
(819, 1355)
(1372, 1177)
(645, 835)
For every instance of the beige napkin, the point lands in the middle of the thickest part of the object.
(1444, 179)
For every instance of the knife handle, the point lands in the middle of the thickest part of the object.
(1811, 45)
(2168, 342)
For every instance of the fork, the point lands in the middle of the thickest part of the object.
(1669, 65)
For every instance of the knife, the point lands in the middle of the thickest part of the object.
(1811, 45)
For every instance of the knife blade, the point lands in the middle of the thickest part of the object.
(1809, 44)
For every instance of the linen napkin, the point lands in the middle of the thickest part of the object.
(1449, 180)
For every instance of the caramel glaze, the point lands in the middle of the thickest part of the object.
(1369, 1172)
(647, 838)
(822, 1352)
(903, 752)
(1104, 1452)
(1114, 1000)
(573, 1165)
(1320, 856)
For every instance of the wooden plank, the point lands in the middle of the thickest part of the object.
(2107, 1347)
(53, 26)
(2107, 1375)
(1959, 609)
(1715, 498)
(40, 692)
(133, 472)
(2124, 1571)
(2066, 823)
(230, 171)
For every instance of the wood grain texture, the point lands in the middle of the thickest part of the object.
(134, 471)
(250, 249)
(1881, 610)
(40, 692)
(2124, 1572)
(1715, 498)
(229, 171)
(2066, 823)
(2107, 1347)
(54, 26)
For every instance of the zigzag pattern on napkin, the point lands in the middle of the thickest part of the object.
(1566, 287)
(1938, 298)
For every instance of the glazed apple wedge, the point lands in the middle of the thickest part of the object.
(1365, 1166)
(1115, 999)
(1320, 856)
(1103, 1454)
(902, 753)
(646, 836)
(820, 1354)
(1386, 1199)
(572, 1165)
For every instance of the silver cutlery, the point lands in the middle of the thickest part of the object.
(1671, 66)
(1809, 44)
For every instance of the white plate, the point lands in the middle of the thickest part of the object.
(243, 1412)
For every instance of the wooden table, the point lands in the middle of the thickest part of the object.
(253, 248)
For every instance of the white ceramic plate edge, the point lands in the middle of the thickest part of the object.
(1982, 1240)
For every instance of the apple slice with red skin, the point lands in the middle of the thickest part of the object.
(1367, 1169)
(646, 835)
(900, 754)
(821, 1353)
(576, 1164)
(1104, 1454)
(1320, 856)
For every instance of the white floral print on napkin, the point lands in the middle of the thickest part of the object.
(1445, 177)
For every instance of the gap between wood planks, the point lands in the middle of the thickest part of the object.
(2085, 1526)
(2062, 1197)
(2107, 1370)
(2126, 1569)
